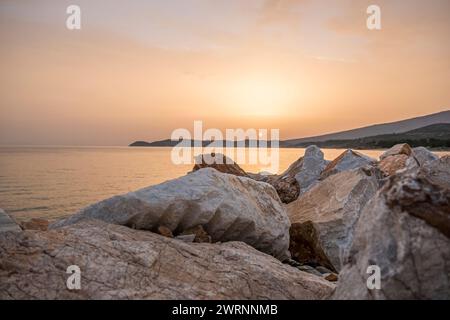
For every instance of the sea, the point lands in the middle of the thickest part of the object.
(54, 182)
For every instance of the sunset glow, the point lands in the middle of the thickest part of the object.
(138, 71)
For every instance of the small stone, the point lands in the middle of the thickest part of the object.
(292, 263)
(323, 270)
(164, 231)
(186, 238)
(332, 277)
(201, 236)
(304, 268)
(309, 269)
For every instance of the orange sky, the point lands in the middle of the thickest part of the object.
(140, 69)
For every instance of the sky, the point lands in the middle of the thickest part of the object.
(137, 70)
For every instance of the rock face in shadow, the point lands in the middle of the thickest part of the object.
(405, 231)
(323, 218)
(348, 160)
(229, 208)
(117, 262)
(286, 187)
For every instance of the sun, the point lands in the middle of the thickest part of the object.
(260, 96)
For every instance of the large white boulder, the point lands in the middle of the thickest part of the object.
(228, 207)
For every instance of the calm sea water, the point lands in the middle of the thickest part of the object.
(53, 182)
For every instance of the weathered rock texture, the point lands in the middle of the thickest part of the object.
(7, 223)
(229, 208)
(117, 262)
(405, 230)
(348, 160)
(307, 169)
(299, 177)
(286, 187)
(403, 148)
(323, 218)
(393, 164)
(423, 155)
(219, 162)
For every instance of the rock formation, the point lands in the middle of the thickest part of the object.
(307, 169)
(348, 160)
(398, 149)
(117, 262)
(219, 162)
(405, 231)
(229, 208)
(423, 155)
(399, 158)
(323, 218)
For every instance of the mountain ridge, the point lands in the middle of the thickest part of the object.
(351, 137)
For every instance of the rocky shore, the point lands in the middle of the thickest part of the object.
(222, 233)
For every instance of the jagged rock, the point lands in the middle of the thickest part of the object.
(348, 160)
(323, 218)
(405, 231)
(7, 223)
(403, 148)
(286, 187)
(307, 169)
(35, 224)
(392, 164)
(437, 171)
(423, 155)
(219, 162)
(117, 262)
(230, 208)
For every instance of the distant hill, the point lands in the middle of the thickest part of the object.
(378, 129)
(430, 130)
(172, 143)
(433, 136)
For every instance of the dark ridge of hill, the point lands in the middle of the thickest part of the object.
(432, 136)
(219, 143)
(378, 129)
